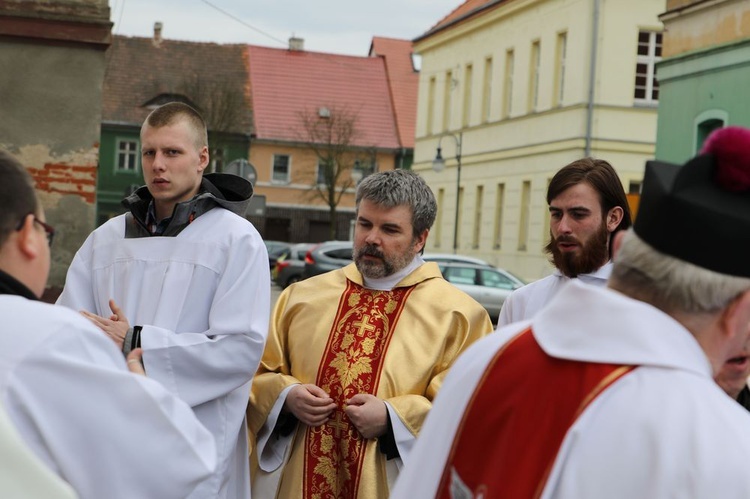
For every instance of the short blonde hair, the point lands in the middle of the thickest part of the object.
(171, 113)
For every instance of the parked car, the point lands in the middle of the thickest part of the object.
(291, 264)
(327, 256)
(450, 257)
(336, 254)
(275, 249)
(488, 285)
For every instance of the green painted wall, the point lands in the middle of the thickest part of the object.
(698, 87)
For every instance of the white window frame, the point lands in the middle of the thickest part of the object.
(274, 178)
(320, 178)
(562, 47)
(133, 153)
(649, 59)
(487, 90)
(510, 56)
(365, 167)
(535, 69)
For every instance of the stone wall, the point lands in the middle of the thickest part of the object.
(52, 55)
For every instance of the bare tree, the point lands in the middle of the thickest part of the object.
(331, 134)
(222, 105)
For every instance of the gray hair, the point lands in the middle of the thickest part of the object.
(670, 284)
(398, 188)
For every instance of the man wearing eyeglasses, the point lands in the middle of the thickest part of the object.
(67, 390)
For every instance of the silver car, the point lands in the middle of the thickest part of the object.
(440, 258)
(489, 286)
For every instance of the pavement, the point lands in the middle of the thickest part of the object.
(275, 292)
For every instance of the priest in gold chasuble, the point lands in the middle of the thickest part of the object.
(355, 356)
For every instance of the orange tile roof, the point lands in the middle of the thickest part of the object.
(403, 81)
(285, 83)
(460, 13)
(137, 71)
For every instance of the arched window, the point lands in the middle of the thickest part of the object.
(705, 123)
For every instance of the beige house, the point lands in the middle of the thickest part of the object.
(518, 89)
(324, 119)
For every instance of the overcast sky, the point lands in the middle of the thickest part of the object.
(336, 26)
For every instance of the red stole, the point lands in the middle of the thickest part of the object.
(516, 421)
(351, 364)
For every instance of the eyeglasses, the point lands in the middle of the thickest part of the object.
(48, 229)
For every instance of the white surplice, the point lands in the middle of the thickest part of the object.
(203, 300)
(22, 474)
(525, 302)
(107, 432)
(663, 430)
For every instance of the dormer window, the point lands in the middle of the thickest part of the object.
(162, 99)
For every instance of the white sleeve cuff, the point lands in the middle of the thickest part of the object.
(271, 451)
(401, 434)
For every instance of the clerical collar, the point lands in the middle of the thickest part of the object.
(388, 283)
(9, 285)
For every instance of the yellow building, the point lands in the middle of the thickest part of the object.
(518, 89)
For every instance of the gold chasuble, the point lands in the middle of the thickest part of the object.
(332, 332)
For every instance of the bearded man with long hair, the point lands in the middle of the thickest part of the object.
(587, 206)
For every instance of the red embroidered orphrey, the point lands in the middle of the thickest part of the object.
(517, 419)
(351, 364)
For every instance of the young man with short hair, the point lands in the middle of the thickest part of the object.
(184, 276)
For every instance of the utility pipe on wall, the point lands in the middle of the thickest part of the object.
(592, 77)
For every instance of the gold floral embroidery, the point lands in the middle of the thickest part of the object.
(353, 299)
(368, 345)
(347, 341)
(352, 363)
(350, 367)
(391, 305)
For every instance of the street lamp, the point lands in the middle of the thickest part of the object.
(438, 165)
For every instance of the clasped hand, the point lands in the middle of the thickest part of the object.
(312, 406)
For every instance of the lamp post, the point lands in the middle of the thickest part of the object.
(438, 165)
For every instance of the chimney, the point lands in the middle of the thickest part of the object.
(157, 33)
(296, 44)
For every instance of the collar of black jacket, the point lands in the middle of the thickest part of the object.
(9, 285)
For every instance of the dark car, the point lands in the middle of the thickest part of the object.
(291, 264)
(327, 256)
(488, 285)
(275, 249)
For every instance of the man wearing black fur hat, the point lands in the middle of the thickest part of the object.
(610, 392)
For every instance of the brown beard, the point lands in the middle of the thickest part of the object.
(385, 268)
(594, 253)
